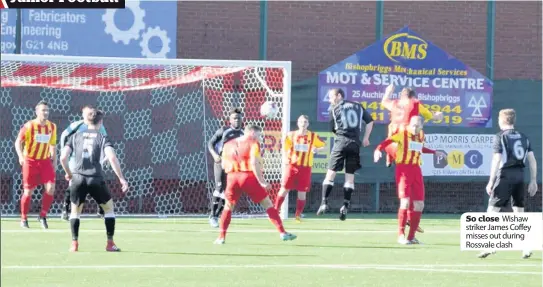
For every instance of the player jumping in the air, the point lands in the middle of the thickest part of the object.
(87, 177)
(347, 120)
(243, 165)
(401, 112)
(77, 127)
(298, 151)
(35, 147)
(215, 146)
(511, 149)
(409, 180)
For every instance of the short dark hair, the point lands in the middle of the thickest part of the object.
(304, 116)
(42, 103)
(97, 117)
(509, 116)
(235, 111)
(339, 91)
(410, 92)
(254, 128)
(88, 107)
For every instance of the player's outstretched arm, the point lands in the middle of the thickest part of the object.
(64, 158)
(428, 115)
(116, 166)
(366, 117)
(212, 142)
(386, 101)
(377, 154)
(532, 187)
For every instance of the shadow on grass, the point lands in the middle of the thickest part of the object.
(219, 254)
(335, 246)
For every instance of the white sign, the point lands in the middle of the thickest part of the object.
(501, 231)
(466, 155)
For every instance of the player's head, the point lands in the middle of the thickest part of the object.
(235, 118)
(89, 113)
(96, 117)
(335, 96)
(507, 118)
(253, 131)
(42, 111)
(87, 109)
(415, 125)
(303, 122)
(407, 93)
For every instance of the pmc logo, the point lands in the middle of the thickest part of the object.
(405, 46)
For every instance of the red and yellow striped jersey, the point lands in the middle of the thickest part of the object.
(238, 153)
(298, 148)
(37, 139)
(410, 147)
(401, 114)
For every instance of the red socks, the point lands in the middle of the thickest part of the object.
(224, 222)
(300, 204)
(273, 215)
(402, 221)
(279, 201)
(414, 220)
(46, 202)
(25, 205)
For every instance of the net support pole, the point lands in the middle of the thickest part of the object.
(490, 26)
(287, 83)
(263, 41)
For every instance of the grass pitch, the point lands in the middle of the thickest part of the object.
(361, 251)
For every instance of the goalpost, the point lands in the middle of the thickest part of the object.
(159, 113)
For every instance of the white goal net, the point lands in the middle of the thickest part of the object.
(159, 113)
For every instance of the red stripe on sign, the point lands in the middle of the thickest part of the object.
(86, 72)
(104, 82)
(144, 73)
(46, 80)
(30, 71)
(3, 4)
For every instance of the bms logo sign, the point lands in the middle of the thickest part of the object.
(405, 46)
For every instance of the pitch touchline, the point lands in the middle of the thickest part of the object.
(229, 231)
(423, 268)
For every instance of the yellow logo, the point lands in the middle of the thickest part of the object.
(404, 45)
(455, 159)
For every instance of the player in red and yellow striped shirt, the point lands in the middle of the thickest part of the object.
(298, 151)
(243, 166)
(401, 112)
(408, 176)
(35, 147)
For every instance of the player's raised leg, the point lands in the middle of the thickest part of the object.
(327, 186)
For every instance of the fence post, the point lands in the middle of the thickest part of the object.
(377, 192)
(379, 20)
(263, 47)
(490, 28)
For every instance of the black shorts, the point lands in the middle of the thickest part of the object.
(220, 179)
(94, 186)
(345, 154)
(509, 184)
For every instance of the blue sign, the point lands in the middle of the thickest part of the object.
(405, 59)
(145, 29)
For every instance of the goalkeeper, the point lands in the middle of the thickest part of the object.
(215, 146)
(77, 127)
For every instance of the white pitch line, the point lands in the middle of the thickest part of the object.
(422, 268)
(229, 231)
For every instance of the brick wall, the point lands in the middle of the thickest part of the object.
(518, 40)
(315, 35)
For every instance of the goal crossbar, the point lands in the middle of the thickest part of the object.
(200, 69)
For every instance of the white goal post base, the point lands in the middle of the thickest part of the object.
(159, 113)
